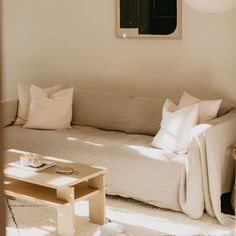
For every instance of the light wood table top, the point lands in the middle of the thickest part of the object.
(49, 177)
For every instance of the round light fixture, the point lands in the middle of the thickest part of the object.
(212, 6)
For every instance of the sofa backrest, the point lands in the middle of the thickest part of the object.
(112, 111)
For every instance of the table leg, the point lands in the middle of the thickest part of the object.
(97, 202)
(65, 213)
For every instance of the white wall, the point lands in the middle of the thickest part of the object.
(73, 41)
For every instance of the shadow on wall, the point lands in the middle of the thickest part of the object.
(199, 83)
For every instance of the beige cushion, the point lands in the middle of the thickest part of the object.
(25, 100)
(225, 107)
(9, 110)
(111, 111)
(50, 112)
(208, 109)
(176, 126)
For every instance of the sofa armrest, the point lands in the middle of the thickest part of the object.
(9, 111)
(219, 138)
(211, 143)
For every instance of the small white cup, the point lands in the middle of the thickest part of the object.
(35, 161)
(25, 159)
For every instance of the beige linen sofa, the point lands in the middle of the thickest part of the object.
(115, 131)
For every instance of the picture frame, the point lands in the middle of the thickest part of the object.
(131, 26)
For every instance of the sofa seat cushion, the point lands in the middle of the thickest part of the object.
(135, 169)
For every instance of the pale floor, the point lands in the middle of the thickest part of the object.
(139, 219)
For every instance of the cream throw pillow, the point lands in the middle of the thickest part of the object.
(176, 126)
(208, 109)
(50, 112)
(25, 100)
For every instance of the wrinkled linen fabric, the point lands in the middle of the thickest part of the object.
(135, 169)
(219, 165)
(188, 183)
(213, 174)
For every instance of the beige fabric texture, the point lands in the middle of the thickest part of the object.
(188, 183)
(225, 107)
(134, 167)
(208, 109)
(119, 112)
(25, 100)
(9, 112)
(213, 142)
(176, 126)
(50, 112)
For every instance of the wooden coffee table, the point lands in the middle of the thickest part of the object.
(59, 191)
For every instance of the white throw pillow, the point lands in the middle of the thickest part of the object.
(208, 109)
(50, 112)
(176, 126)
(25, 100)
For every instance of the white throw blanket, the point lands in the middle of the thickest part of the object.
(210, 168)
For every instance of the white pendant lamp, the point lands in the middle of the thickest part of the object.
(212, 6)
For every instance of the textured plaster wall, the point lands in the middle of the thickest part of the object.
(74, 42)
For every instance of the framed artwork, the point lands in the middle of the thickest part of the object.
(149, 18)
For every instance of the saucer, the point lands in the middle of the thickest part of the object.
(36, 164)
